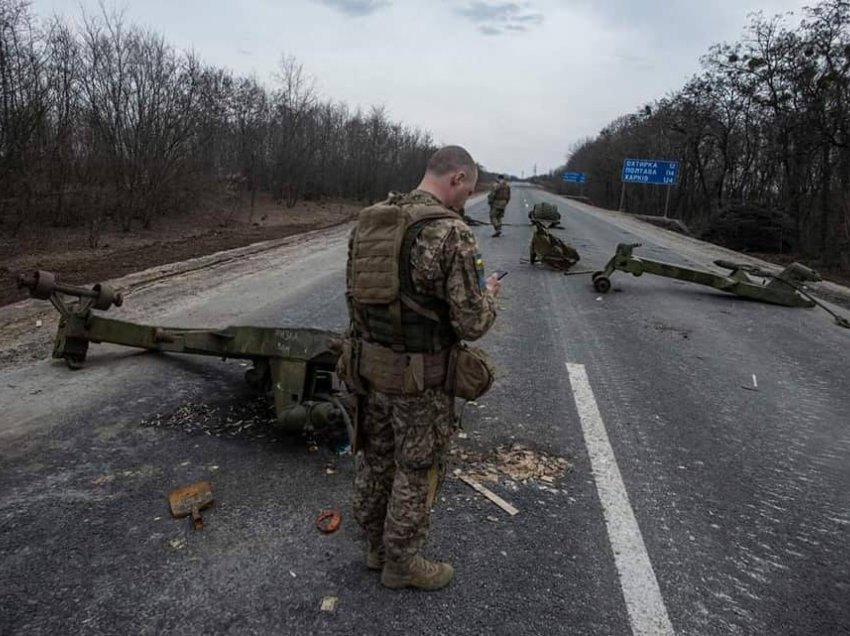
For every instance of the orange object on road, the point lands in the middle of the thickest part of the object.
(329, 521)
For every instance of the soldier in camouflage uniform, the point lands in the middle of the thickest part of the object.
(406, 416)
(498, 199)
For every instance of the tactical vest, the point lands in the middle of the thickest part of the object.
(387, 308)
(502, 192)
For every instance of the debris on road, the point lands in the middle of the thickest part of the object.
(329, 521)
(103, 479)
(177, 544)
(489, 494)
(190, 500)
(329, 603)
(248, 419)
(515, 462)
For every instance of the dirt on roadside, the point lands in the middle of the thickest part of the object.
(65, 251)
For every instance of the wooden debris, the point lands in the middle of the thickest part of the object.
(515, 462)
(489, 494)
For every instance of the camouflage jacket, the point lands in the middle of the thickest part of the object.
(445, 263)
(501, 193)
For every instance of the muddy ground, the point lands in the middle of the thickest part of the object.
(65, 251)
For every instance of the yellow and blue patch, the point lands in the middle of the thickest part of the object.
(479, 268)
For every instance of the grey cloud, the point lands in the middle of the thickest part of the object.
(488, 30)
(493, 18)
(356, 8)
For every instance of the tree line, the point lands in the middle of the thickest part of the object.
(762, 135)
(104, 122)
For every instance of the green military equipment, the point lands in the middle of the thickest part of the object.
(550, 250)
(294, 366)
(785, 288)
(547, 212)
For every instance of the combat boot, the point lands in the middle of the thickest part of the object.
(417, 573)
(375, 556)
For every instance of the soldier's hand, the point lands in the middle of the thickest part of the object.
(493, 284)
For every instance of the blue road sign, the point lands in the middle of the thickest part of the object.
(650, 171)
(573, 177)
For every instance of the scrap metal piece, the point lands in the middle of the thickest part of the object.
(780, 289)
(190, 500)
(550, 250)
(329, 521)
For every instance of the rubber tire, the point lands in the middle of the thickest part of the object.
(602, 284)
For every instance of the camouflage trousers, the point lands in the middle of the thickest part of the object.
(497, 213)
(400, 468)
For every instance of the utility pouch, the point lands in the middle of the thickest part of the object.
(471, 372)
(413, 376)
(348, 365)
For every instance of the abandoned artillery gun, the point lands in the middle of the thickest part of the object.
(785, 288)
(295, 367)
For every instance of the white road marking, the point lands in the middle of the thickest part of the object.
(647, 612)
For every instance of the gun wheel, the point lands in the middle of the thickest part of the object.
(601, 283)
(74, 362)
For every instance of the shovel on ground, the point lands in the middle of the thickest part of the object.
(190, 500)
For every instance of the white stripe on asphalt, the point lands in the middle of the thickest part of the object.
(647, 613)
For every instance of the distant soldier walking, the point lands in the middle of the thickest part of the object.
(498, 199)
(415, 289)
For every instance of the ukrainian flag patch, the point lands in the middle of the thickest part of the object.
(479, 268)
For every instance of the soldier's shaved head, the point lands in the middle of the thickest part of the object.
(451, 175)
(450, 159)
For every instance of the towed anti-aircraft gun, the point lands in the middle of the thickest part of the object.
(785, 288)
(293, 366)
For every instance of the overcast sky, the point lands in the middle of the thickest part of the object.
(517, 83)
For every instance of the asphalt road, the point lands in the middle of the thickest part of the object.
(708, 490)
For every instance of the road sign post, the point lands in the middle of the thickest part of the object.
(650, 172)
(575, 177)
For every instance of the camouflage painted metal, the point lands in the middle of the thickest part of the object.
(785, 288)
(545, 212)
(550, 250)
(294, 366)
